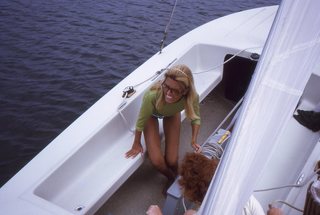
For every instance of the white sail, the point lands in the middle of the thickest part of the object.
(291, 55)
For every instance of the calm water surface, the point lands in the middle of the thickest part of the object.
(59, 57)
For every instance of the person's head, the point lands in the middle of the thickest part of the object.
(196, 171)
(178, 82)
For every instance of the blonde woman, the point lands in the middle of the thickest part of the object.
(166, 100)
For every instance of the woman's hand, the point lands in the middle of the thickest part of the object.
(136, 146)
(194, 144)
(135, 150)
(197, 148)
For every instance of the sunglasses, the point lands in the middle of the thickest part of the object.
(166, 88)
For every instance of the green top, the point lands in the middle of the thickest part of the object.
(148, 108)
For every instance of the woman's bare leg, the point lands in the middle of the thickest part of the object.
(153, 142)
(171, 127)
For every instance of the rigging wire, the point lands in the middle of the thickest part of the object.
(288, 204)
(167, 27)
(292, 185)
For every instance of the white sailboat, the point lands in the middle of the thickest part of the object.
(84, 166)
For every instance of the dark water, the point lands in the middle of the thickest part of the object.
(59, 57)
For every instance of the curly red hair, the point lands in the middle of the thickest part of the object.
(196, 172)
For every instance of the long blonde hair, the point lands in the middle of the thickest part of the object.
(183, 75)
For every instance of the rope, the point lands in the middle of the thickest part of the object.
(122, 104)
(227, 117)
(220, 65)
(153, 77)
(159, 72)
(167, 27)
(212, 150)
(184, 204)
(156, 74)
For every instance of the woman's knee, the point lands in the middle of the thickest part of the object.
(157, 162)
(172, 163)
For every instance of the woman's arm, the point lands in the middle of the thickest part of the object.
(195, 132)
(146, 110)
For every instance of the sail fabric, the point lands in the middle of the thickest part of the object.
(290, 56)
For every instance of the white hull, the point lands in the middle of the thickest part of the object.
(79, 170)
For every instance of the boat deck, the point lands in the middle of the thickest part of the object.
(144, 187)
